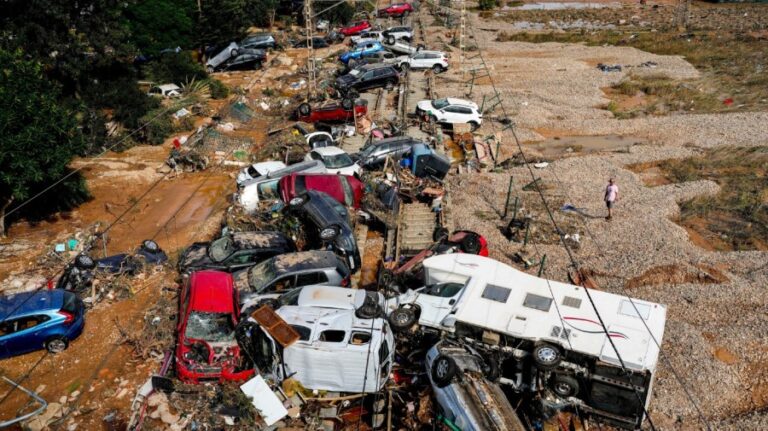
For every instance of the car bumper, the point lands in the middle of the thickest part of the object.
(222, 375)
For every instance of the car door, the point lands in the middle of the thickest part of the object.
(452, 114)
(24, 334)
(437, 301)
(366, 81)
(418, 61)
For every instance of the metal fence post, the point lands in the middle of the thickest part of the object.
(541, 265)
(509, 195)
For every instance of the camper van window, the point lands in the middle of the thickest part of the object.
(444, 290)
(628, 309)
(570, 301)
(359, 338)
(537, 302)
(383, 352)
(332, 336)
(496, 293)
(303, 332)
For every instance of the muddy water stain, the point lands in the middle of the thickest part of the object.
(579, 145)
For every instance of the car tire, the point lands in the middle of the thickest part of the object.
(304, 109)
(347, 103)
(547, 356)
(209, 69)
(352, 94)
(405, 66)
(56, 345)
(444, 369)
(474, 125)
(257, 65)
(471, 244)
(389, 85)
(564, 385)
(439, 234)
(368, 311)
(233, 52)
(150, 246)
(402, 319)
(83, 261)
(437, 68)
(391, 40)
(386, 277)
(491, 369)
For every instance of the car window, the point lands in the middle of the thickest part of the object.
(220, 249)
(21, 324)
(453, 109)
(260, 275)
(349, 196)
(463, 110)
(439, 103)
(70, 303)
(358, 338)
(311, 278)
(383, 352)
(240, 257)
(419, 56)
(332, 336)
(211, 327)
(284, 283)
(290, 298)
(338, 161)
(303, 332)
(313, 155)
(268, 189)
(368, 75)
(444, 290)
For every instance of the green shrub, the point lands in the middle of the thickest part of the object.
(156, 129)
(486, 4)
(175, 68)
(218, 89)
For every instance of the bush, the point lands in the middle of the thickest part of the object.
(486, 4)
(156, 129)
(218, 89)
(175, 68)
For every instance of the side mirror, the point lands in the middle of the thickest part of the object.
(451, 302)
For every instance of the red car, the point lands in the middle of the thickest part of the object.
(355, 28)
(345, 189)
(208, 313)
(396, 10)
(335, 111)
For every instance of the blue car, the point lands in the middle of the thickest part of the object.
(46, 319)
(362, 49)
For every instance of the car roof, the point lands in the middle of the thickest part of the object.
(261, 239)
(212, 292)
(455, 101)
(342, 298)
(374, 66)
(303, 260)
(329, 151)
(323, 319)
(25, 303)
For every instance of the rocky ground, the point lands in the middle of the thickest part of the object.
(715, 334)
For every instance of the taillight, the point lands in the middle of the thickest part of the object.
(68, 317)
(345, 282)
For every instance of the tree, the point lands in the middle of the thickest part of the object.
(158, 25)
(261, 11)
(223, 21)
(38, 135)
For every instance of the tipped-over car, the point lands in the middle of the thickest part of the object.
(336, 160)
(235, 251)
(355, 28)
(344, 110)
(395, 10)
(449, 110)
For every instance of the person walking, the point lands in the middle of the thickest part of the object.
(611, 196)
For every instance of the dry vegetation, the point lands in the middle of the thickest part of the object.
(737, 217)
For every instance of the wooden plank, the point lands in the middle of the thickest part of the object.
(278, 328)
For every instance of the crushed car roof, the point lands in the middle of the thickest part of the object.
(260, 239)
(305, 260)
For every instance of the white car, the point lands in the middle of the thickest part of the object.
(258, 169)
(368, 36)
(336, 160)
(451, 111)
(396, 33)
(167, 91)
(435, 60)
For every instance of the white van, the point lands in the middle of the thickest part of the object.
(342, 348)
(265, 187)
(552, 324)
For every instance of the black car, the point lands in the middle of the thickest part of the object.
(374, 154)
(368, 77)
(235, 251)
(259, 41)
(248, 61)
(325, 224)
(79, 274)
(317, 42)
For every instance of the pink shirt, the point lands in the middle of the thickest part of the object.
(611, 192)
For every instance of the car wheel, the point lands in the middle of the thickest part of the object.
(209, 69)
(405, 66)
(490, 369)
(444, 369)
(474, 125)
(257, 65)
(389, 85)
(402, 319)
(56, 345)
(233, 53)
(470, 244)
(439, 234)
(150, 246)
(432, 119)
(547, 356)
(83, 261)
(352, 94)
(564, 385)
(391, 40)
(347, 103)
(437, 68)
(305, 109)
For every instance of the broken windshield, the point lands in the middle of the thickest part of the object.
(337, 161)
(440, 103)
(261, 275)
(210, 327)
(220, 249)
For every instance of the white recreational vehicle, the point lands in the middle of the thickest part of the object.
(549, 324)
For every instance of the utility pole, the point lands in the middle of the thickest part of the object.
(462, 35)
(310, 50)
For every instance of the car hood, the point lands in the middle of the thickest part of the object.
(345, 80)
(195, 256)
(425, 105)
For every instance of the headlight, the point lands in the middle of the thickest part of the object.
(329, 233)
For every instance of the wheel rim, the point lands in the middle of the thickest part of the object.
(57, 346)
(442, 369)
(401, 318)
(547, 355)
(563, 388)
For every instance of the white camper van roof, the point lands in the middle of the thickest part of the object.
(506, 300)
